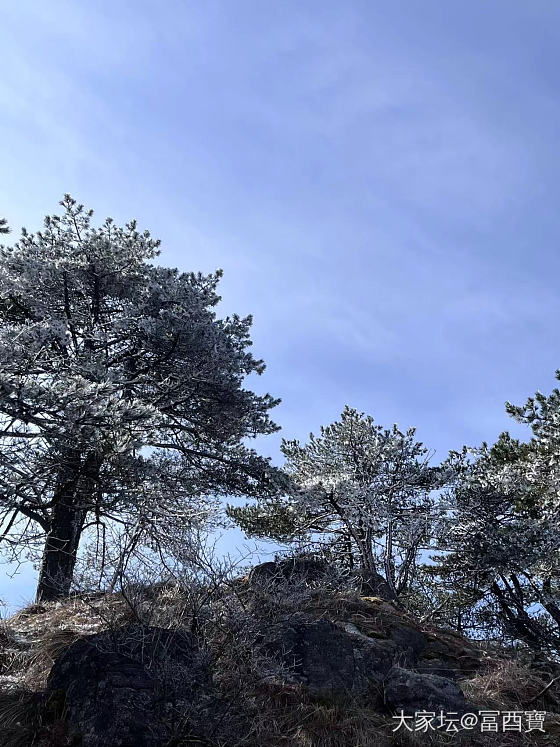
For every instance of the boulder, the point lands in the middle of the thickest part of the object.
(114, 686)
(108, 697)
(410, 643)
(327, 659)
(373, 584)
(446, 649)
(412, 691)
(303, 569)
(436, 666)
(310, 570)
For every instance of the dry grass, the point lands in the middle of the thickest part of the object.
(19, 720)
(34, 637)
(38, 660)
(508, 684)
(286, 716)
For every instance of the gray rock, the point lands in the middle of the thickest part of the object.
(328, 659)
(406, 637)
(449, 650)
(292, 570)
(410, 643)
(116, 685)
(265, 572)
(373, 584)
(436, 666)
(412, 691)
(109, 698)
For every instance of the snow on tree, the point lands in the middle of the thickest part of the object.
(504, 536)
(121, 392)
(370, 486)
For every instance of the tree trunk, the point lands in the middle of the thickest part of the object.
(72, 497)
(373, 583)
(388, 559)
(516, 619)
(59, 556)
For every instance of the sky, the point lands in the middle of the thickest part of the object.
(378, 181)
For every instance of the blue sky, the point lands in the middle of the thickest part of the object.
(378, 180)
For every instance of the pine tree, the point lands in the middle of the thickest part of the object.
(121, 392)
(505, 530)
(368, 486)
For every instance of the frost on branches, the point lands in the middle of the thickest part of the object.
(367, 488)
(505, 536)
(121, 393)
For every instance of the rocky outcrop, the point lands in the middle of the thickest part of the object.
(327, 659)
(449, 654)
(310, 570)
(294, 570)
(433, 651)
(114, 687)
(294, 649)
(410, 691)
(108, 698)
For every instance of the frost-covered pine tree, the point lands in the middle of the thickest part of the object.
(505, 531)
(121, 391)
(370, 486)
